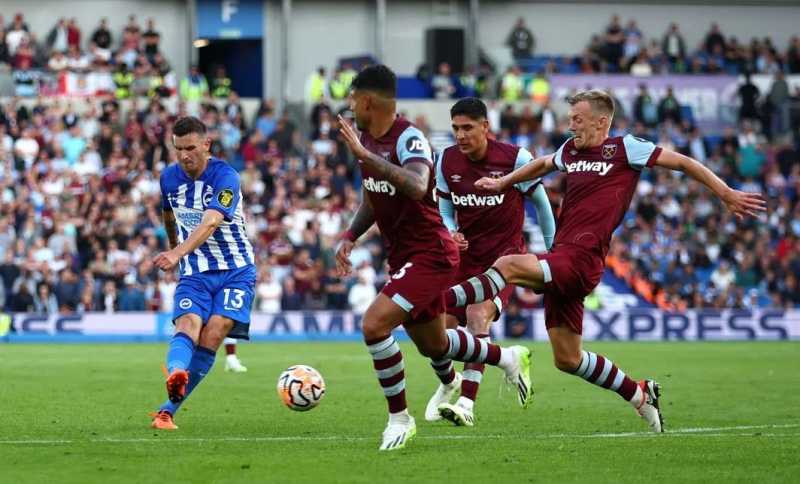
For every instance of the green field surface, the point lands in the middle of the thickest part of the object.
(79, 413)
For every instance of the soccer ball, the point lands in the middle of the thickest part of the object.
(301, 387)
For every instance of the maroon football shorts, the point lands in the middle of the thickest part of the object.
(418, 287)
(571, 273)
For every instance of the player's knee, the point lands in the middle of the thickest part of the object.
(479, 319)
(567, 362)
(434, 350)
(372, 330)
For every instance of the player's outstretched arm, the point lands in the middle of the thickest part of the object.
(171, 226)
(536, 169)
(211, 220)
(740, 203)
(410, 179)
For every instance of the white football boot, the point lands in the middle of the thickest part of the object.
(233, 364)
(399, 431)
(460, 414)
(649, 408)
(443, 395)
(518, 374)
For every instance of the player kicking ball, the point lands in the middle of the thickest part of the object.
(204, 220)
(398, 183)
(485, 226)
(602, 174)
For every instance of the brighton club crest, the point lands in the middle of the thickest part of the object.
(609, 151)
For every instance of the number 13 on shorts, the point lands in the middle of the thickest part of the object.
(234, 303)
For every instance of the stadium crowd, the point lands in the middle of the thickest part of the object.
(80, 202)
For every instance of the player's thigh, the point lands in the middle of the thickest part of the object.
(523, 270)
(381, 317)
(429, 337)
(234, 292)
(481, 316)
(192, 297)
(215, 331)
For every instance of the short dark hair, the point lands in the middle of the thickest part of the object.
(377, 78)
(471, 107)
(188, 125)
(598, 99)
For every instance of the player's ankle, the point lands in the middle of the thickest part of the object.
(400, 417)
(465, 403)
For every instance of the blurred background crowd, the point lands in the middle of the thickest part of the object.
(79, 195)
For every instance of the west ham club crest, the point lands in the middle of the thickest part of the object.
(609, 151)
(496, 174)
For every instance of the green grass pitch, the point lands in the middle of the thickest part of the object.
(78, 413)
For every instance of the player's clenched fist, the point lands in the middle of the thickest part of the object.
(166, 261)
(490, 184)
(461, 241)
(343, 265)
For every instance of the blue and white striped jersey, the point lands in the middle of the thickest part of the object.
(217, 188)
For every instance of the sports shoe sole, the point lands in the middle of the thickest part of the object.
(176, 385)
(451, 415)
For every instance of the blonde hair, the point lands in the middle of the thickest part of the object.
(600, 101)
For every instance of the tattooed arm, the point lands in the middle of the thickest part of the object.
(171, 227)
(410, 179)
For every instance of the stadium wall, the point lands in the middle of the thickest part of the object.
(171, 20)
(622, 325)
(322, 32)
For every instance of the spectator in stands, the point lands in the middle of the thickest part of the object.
(640, 66)
(194, 87)
(512, 85)
(633, 40)
(316, 87)
(793, 55)
(669, 108)
(16, 34)
(520, 40)
(714, 40)
(57, 39)
(442, 83)
(361, 295)
(101, 41)
(778, 99)
(220, 84)
(644, 108)
(151, 39)
(614, 44)
(290, 299)
(44, 302)
(674, 47)
(73, 34)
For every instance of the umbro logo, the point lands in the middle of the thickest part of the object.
(455, 178)
(573, 152)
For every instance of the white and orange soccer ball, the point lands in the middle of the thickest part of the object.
(301, 387)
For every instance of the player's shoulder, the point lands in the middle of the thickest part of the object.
(220, 168)
(503, 149)
(451, 153)
(170, 174)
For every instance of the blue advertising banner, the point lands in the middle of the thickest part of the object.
(230, 19)
(608, 325)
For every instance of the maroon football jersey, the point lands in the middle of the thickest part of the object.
(600, 185)
(492, 223)
(410, 228)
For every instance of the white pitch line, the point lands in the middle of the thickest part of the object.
(685, 432)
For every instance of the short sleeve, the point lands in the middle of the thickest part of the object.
(227, 193)
(165, 205)
(641, 153)
(412, 146)
(557, 157)
(442, 189)
(523, 158)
